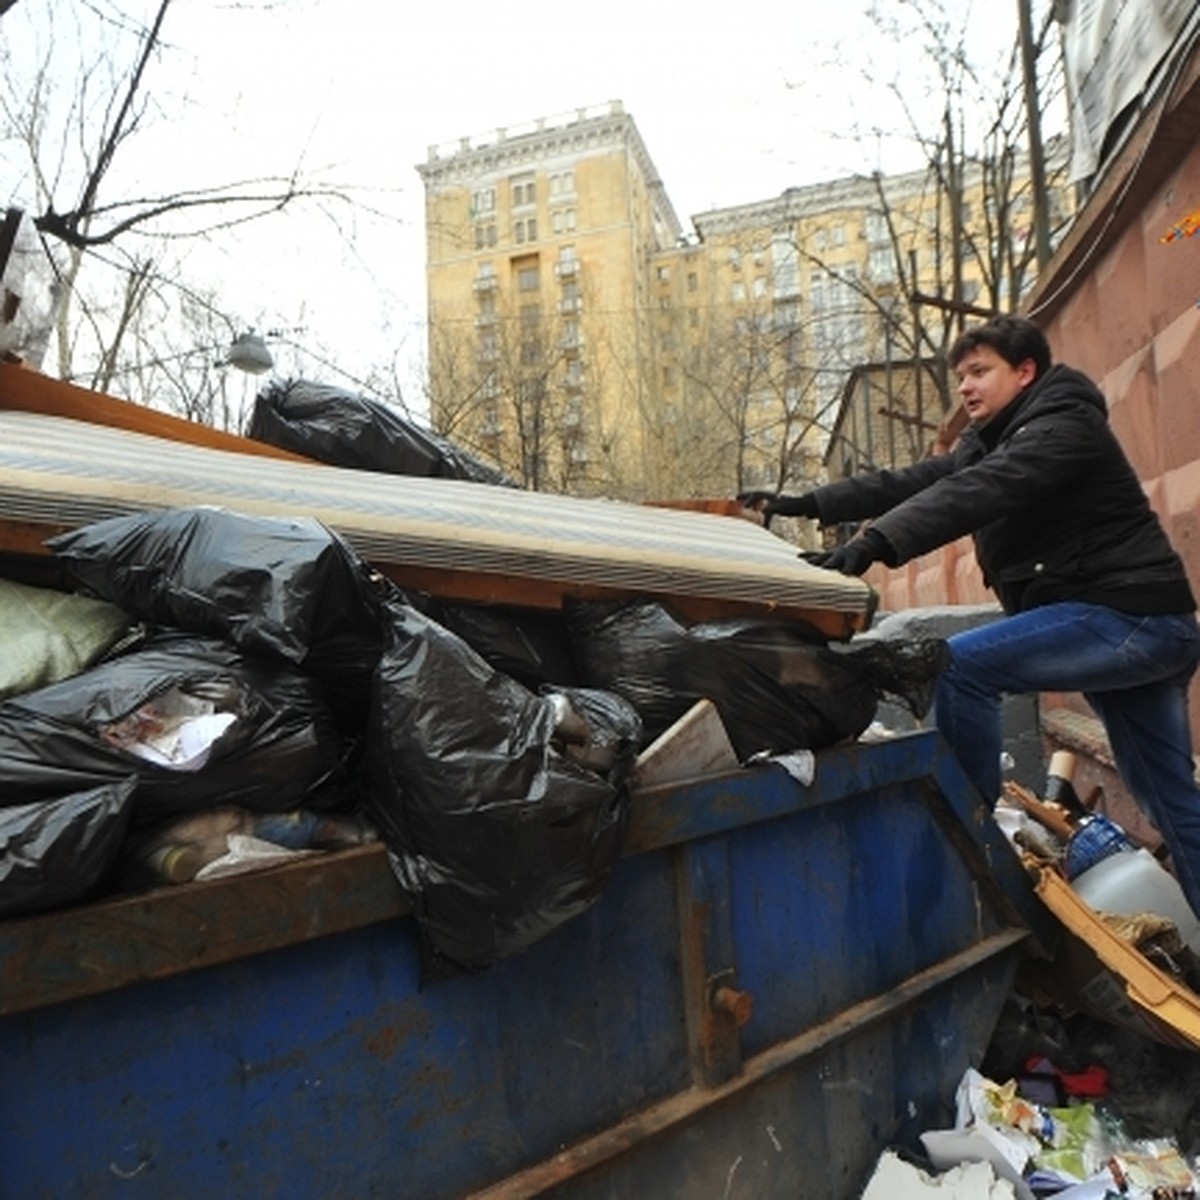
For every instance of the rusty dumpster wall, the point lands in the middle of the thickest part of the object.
(868, 927)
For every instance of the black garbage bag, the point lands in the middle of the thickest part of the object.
(533, 647)
(905, 670)
(56, 851)
(286, 587)
(197, 722)
(776, 685)
(502, 810)
(348, 430)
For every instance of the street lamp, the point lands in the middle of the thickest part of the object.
(249, 353)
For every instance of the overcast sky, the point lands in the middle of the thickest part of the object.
(735, 101)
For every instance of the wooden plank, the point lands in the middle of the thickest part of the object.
(695, 745)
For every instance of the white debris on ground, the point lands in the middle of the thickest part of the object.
(895, 1179)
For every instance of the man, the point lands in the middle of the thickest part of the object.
(1096, 600)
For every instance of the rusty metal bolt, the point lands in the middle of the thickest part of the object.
(739, 1005)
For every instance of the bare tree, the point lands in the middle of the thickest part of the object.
(955, 239)
(125, 236)
(508, 387)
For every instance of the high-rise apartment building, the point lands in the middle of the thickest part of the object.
(539, 245)
(586, 341)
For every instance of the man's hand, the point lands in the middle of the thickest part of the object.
(854, 557)
(772, 504)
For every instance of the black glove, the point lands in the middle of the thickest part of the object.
(772, 504)
(854, 557)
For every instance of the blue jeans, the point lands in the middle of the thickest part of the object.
(1134, 672)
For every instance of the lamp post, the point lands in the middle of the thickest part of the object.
(249, 353)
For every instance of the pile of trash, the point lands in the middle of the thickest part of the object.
(1045, 1133)
(203, 691)
(1130, 952)
(1090, 1089)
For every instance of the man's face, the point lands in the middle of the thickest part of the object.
(988, 383)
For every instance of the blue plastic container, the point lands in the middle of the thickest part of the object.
(1095, 839)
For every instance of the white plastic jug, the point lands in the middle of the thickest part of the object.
(1134, 881)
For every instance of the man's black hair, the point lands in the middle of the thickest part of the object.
(1013, 338)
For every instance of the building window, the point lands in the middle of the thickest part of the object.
(524, 191)
(485, 235)
(567, 265)
(562, 220)
(739, 291)
(525, 230)
(785, 263)
(527, 279)
(735, 258)
(562, 184)
(572, 298)
(760, 286)
(883, 264)
(664, 274)
(693, 281)
(483, 202)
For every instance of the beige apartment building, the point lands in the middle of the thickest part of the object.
(539, 244)
(586, 341)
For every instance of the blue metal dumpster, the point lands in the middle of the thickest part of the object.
(778, 982)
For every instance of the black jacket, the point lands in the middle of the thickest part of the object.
(1055, 508)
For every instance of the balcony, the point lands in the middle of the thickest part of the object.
(567, 268)
(485, 320)
(485, 283)
(570, 304)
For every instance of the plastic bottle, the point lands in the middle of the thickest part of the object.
(1095, 838)
(1134, 881)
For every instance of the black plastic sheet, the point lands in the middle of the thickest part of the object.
(280, 749)
(348, 430)
(287, 588)
(498, 826)
(776, 685)
(56, 851)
